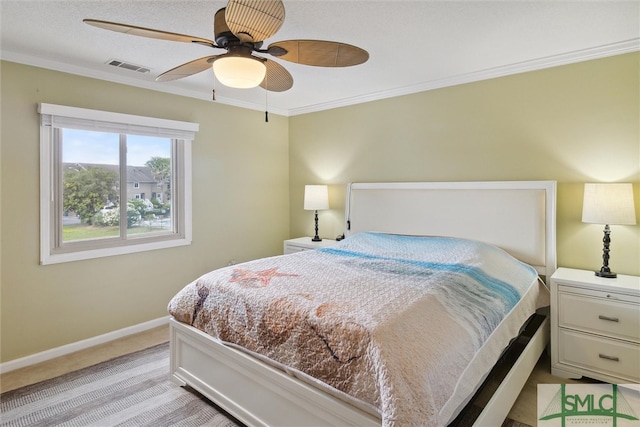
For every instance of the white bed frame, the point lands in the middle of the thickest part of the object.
(518, 216)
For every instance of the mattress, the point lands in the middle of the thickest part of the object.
(403, 326)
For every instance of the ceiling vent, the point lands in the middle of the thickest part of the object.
(128, 66)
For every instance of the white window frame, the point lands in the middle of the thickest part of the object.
(58, 116)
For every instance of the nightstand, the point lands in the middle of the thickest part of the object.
(305, 244)
(595, 326)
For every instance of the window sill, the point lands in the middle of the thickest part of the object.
(47, 259)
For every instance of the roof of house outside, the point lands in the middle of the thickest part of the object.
(134, 173)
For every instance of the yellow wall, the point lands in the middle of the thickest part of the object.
(240, 212)
(573, 124)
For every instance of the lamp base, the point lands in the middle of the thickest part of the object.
(316, 238)
(606, 274)
(605, 271)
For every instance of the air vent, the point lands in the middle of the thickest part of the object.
(128, 66)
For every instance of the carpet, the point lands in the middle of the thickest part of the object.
(131, 390)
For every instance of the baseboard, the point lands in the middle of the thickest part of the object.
(23, 362)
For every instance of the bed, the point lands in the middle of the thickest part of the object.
(359, 333)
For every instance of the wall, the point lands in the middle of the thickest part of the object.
(240, 212)
(573, 124)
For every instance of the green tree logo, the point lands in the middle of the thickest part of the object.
(612, 405)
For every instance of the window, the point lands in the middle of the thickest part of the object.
(96, 171)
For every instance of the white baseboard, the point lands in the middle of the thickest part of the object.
(22, 362)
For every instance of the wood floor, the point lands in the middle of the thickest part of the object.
(524, 409)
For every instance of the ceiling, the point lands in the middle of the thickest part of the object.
(413, 45)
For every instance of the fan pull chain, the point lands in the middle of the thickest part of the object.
(266, 98)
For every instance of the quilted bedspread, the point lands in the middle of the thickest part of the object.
(393, 321)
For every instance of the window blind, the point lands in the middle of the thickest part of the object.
(61, 116)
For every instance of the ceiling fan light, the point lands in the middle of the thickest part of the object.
(239, 72)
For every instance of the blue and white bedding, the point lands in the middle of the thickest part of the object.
(407, 326)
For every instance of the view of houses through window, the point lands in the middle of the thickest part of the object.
(112, 183)
(104, 195)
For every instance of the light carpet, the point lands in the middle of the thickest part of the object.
(131, 390)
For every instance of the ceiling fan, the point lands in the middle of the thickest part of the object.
(240, 29)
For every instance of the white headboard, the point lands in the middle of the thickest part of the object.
(517, 216)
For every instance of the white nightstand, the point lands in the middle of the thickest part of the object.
(305, 244)
(595, 326)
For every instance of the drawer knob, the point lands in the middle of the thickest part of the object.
(610, 319)
(613, 358)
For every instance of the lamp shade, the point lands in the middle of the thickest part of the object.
(608, 203)
(241, 72)
(316, 197)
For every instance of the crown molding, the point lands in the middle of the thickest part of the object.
(613, 49)
(619, 48)
(116, 78)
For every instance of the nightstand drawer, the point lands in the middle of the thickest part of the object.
(600, 355)
(597, 315)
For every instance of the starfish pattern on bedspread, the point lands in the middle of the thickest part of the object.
(260, 278)
(352, 318)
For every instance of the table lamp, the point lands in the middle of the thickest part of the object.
(608, 203)
(316, 197)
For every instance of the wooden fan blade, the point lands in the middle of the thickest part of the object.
(321, 53)
(148, 32)
(188, 69)
(278, 79)
(254, 20)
